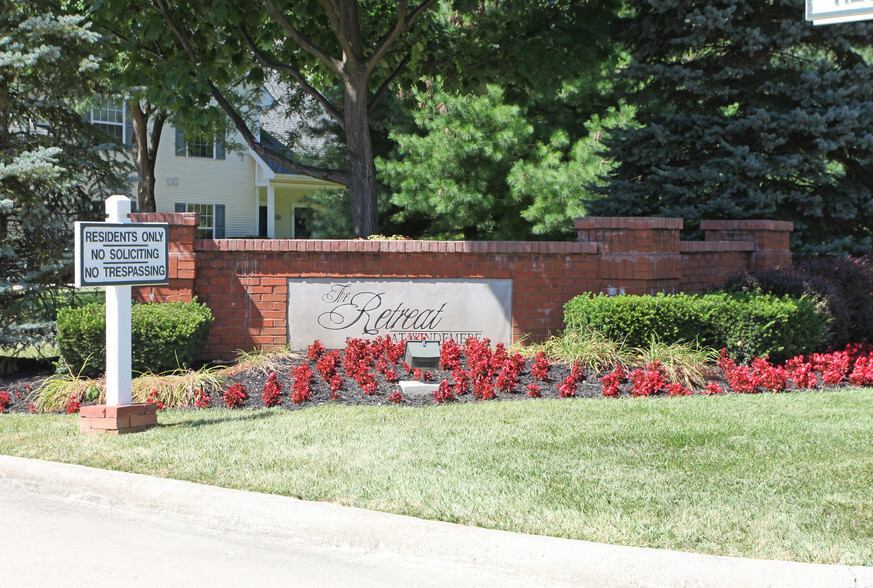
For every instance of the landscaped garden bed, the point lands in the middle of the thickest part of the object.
(370, 372)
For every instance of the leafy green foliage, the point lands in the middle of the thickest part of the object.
(842, 289)
(747, 111)
(749, 325)
(51, 166)
(164, 336)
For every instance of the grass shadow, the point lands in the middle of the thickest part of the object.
(204, 422)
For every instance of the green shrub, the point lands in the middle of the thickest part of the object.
(842, 287)
(747, 324)
(163, 336)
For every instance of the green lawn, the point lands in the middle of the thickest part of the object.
(768, 476)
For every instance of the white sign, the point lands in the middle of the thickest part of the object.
(836, 11)
(115, 254)
(333, 309)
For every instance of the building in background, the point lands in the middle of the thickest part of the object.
(237, 193)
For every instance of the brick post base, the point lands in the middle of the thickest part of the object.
(115, 420)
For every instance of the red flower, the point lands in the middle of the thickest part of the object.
(154, 398)
(678, 390)
(612, 381)
(72, 405)
(540, 368)
(300, 389)
(5, 401)
(648, 382)
(235, 395)
(315, 351)
(201, 400)
(712, 389)
(444, 393)
(272, 395)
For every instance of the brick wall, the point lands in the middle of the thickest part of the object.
(244, 281)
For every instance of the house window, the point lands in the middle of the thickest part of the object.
(211, 218)
(206, 228)
(113, 119)
(199, 146)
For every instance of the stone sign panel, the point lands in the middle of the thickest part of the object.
(333, 309)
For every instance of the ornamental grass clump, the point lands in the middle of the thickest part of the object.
(689, 364)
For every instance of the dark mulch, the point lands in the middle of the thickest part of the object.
(352, 393)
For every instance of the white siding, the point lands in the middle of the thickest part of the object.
(229, 181)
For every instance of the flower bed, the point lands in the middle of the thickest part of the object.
(368, 372)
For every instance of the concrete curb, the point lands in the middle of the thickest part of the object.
(542, 560)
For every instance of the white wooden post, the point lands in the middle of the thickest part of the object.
(118, 308)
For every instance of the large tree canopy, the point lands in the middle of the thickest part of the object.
(346, 54)
(747, 111)
(51, 165)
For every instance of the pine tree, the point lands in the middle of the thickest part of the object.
(747, 111)
(483, 166)
(51, 165)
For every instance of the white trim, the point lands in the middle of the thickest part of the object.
(265, 174)
(271, 212)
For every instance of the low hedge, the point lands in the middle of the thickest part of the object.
(163, 336)
(749, 325)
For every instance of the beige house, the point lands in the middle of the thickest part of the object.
(237, 193)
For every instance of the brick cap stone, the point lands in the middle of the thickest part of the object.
(629, 222)
(362, 246)
(746, 225)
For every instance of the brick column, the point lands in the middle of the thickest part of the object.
(182, 257)
(772, 239)
(639, 255)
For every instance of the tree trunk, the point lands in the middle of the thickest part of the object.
(146, 152)
(361, 161)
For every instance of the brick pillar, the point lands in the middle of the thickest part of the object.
(182, 258)
(639, 255)
(772, 239)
